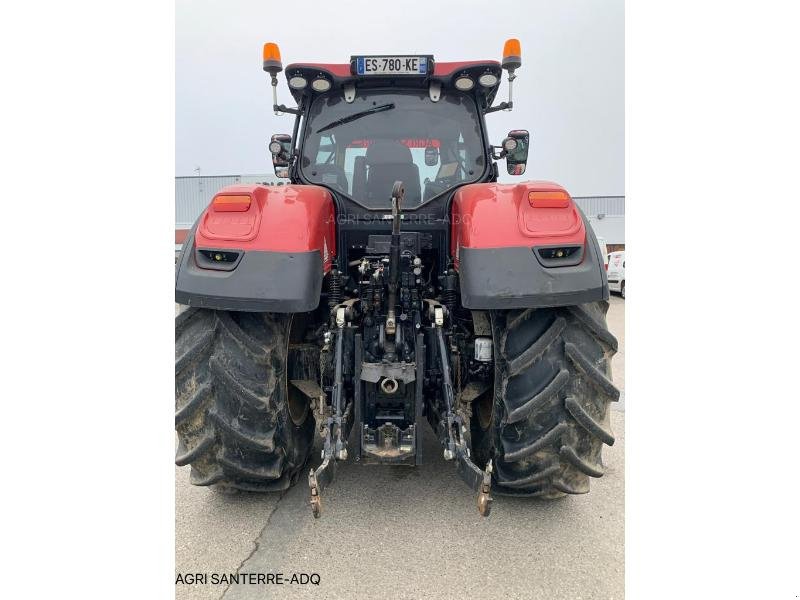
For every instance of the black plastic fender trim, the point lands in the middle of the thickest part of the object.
(283, 282)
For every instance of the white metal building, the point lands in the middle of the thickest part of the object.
(607, 216)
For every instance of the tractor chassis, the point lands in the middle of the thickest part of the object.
(279, 277)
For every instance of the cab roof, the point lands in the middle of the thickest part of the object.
(341, 74)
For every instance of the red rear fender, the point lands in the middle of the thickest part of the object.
(288, 218)
(496, 215)
(523, 245)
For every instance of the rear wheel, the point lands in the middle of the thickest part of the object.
(551, 400)
(622, 289)
(237, 424)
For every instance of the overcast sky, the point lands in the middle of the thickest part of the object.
(569, 92)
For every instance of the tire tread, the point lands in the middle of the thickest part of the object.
(231, 418)
(548, 441)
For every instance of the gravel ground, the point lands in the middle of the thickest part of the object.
(393, 532)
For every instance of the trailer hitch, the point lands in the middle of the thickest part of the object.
(334, 445)
(453, 440)
(484, 496)
(479, 480)
(317, 481)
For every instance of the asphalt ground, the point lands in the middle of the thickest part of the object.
(393, 532)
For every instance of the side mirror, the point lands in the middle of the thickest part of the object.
(280, 146)
(515, 150)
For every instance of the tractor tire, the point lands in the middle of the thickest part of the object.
(236, 425)
(553, 388)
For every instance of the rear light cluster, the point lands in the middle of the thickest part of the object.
(229, 203)
(548, 199)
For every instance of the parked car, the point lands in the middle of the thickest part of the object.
(603, 251)
(616, 272)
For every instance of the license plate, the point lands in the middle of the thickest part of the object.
(391, 65)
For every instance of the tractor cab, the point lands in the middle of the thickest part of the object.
(359, 150)
(361, 126)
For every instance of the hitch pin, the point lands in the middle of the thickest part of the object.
(316, 498)
(484, 496)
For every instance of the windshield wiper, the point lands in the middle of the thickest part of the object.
(358, 115)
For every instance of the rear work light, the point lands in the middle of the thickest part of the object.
(488, 80)
(556, 253)
(548, 199)
(320, 84)
(464, 83)
(231, 203)
(559, 256)
(298, 82)
(509, 145)
(220, 256)
(219, 260)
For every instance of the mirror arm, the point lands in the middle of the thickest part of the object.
(285, 109)
(501, 106)
(499, 156)
(279, 108)
(505, 105)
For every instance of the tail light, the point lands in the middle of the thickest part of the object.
(548, 199)
(225, 203)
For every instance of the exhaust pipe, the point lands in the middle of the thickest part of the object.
(389, 385)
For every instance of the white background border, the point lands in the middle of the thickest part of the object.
(712, 187)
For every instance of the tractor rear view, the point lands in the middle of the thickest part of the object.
(393, 285)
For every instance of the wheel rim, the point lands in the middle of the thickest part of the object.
(297, 402)
(483, 409)
(298, 405)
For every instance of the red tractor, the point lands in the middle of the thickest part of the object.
(393, 281)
